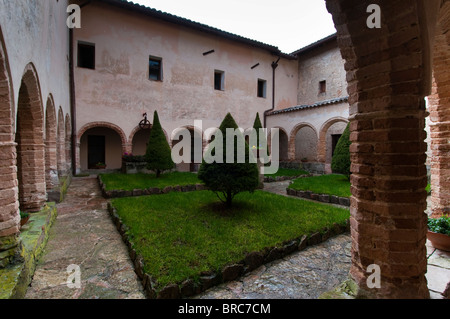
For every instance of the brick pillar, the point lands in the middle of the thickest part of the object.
(9, 212)
(387, 116)
(439, 107)
(30, 144)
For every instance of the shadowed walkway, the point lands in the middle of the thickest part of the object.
(84, 235)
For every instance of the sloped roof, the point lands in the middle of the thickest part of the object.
(128, 5)
(304, 107)
(328, 39)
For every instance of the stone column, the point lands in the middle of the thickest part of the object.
(9, 214)
(387, 115)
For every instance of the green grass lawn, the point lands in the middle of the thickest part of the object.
(288, 172)
(179, 235)
(143, 181)
(337, 185)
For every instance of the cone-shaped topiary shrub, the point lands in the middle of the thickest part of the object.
(340, 163)
(158, 155)
(227, 179)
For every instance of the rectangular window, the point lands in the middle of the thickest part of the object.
(262, 88)
(219, 79)
(86, 55)
(155, 69)
(322, 86)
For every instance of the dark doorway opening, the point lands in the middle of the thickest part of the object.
(96, 150)
(334, 140)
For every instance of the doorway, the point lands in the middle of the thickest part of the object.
(96, 150)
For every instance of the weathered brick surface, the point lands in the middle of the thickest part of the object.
(384, 69)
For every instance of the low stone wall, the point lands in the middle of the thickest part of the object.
(148, 191)
(253, 260)
(16, 278)
(324, 198)
(135, 168)
(270, 179)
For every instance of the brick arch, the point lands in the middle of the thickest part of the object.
(188, 127)
(60, 144)
(137, 129)
(30, 143)
(322, 145)
(68, 142)
(9, 203)
(111, 126)
(387, 81)
(283, 156)
(51, 163)
(192, 167)
(439, 108)
(293, 135)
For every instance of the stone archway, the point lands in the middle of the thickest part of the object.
(303, 142)
(388, 76)
(196, 138)
(51, 163)
(9, 203)
(115, 143)
(30, 143)
(324, 145)
(60, 144)
(439, 107)
(68, 144)
(283, 144)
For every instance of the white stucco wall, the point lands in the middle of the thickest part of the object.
(118, 91)
(35, 31)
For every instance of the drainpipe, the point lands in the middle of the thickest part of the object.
(73, 108)
(274, 67)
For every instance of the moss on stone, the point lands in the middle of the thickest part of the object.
(346, 290)
(15, 278)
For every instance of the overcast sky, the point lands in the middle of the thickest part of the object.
(287, 24)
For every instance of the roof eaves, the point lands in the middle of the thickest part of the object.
(125, 4)
(304, 107)
(332, 37)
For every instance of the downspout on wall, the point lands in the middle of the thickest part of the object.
(274, 67)
(73, 108)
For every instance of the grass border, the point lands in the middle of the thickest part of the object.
(230, 272)
(322, 198)
(148, 191)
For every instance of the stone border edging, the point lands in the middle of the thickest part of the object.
(269, 179)
(33, 239)
(253, 260)
(148, 191)
(323, 198)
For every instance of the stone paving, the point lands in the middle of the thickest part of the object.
(84, 235)
(302, 275)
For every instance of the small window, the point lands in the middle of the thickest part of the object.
(155, 69)
(86, 55)
(262, 88)
(219, 77)
(322, 86)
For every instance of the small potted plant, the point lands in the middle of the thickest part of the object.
(24, 217)
(100, 165)
(304, 159)
(439, 232)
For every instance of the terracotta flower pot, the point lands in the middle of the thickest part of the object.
(439, 241)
